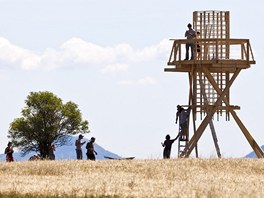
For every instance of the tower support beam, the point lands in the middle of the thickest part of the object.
(248, 136)
(211, 124)
(192, 143)
(246, 133)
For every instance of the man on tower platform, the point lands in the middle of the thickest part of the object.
(190, 35)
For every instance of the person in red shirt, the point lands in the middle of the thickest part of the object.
(9, 152)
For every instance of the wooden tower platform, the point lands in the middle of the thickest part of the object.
(211, 74)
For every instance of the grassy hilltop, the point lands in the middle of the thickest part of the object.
(136, 178)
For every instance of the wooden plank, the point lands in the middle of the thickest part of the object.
(122, 158)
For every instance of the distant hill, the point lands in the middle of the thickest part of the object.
(253, 154)
(68, 152)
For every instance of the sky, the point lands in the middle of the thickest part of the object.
(109, 58)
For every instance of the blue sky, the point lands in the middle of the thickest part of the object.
(109, 56)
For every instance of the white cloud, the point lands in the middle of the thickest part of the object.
(83, 52)
(77, 52)
(153, 52)
(11, 54)
(144, 81)
(115, 68)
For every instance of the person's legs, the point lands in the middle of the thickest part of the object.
(192, 51)
(81, 156)
(166, 154)
(184, 131)
(187, 46)
(90, 157)
(9, 159)
(78, 152)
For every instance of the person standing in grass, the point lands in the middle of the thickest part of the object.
(90, 149)
(78, 144)
(9, 152)
(167, 146)
(51, 151)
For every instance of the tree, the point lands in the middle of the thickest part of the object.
(45, 120)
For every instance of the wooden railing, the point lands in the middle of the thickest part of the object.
(213, 49)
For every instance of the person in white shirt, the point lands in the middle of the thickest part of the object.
(78, 145)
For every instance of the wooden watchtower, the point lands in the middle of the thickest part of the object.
(211, 75)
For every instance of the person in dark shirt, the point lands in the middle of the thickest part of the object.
(90, 149)
(190, 35)
(9, 152)
(167, 146)
(183, 116)
(51, 151)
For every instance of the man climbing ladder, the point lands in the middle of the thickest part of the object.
(183, 116)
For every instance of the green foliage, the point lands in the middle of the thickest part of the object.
(45, 120)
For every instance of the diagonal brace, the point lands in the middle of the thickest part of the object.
(246, 133)
(202, 127)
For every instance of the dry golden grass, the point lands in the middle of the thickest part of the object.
(136, 178)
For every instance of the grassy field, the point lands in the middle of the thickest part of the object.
(134, 178)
